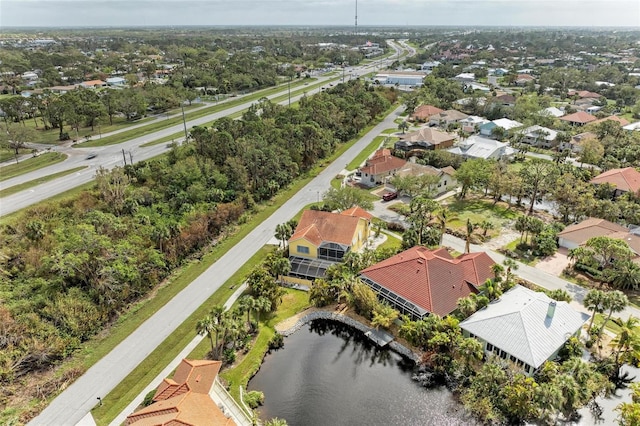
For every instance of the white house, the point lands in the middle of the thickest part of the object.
(552, 111)
(465, 77)
(632, 126)
(479, 147)
(116, 81)
(539, 136)
(525, 327)
(469, 124)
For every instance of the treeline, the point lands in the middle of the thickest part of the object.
(70, 268)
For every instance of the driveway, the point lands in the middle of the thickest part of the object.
(555, 264)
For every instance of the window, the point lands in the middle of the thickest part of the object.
(302, 249)
(445, 183)
(489, 347)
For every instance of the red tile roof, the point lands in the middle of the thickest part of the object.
(619, 120)
(585, 94)
(317, 226)
(579, 117)
(382, 162)
(357, 212)
(627, 179)
(432, 279)
(423, 112)
(184, 400)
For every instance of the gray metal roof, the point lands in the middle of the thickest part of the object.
(518, 324)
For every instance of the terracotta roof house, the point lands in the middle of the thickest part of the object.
(621, 121)
(92, 84)
(426, 138)
(574, 236)
(381, 165)
(579, 118)
(324, 238)
(446, 117)
(446, 176)
(584, 94)
(624, 180)
(424, 112)
(420, 281)
(522, 79)
(505, 100)
(525, 327)
(185, 399)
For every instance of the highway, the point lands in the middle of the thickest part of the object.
(78, 399)
(111, 156)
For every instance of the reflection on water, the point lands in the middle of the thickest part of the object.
(330, 374)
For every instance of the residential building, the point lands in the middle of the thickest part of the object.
(446, 175)
(552, 111)
(522, 79)
(324, 238)
(186, 399)
(93, 84)
(488, 129)
(582, 94)
(428, 67)
(579, 118)
(63, 89)
(505, 100)
(619, 120)
(539, 136)
(401, 78)
(426, 138)
(465, 77)
(524, 327)
(472, 123)
(116, 81)
(575, 144)
(477, 146)
(623, 180)
(447, 117)
(424, 112)
(632, 127)
(381, 165)
(420, 281)
(576, 235)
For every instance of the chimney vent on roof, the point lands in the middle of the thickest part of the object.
(552, 309)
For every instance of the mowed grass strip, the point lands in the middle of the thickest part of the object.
(31, 164)
(30, 184)
(147, 370)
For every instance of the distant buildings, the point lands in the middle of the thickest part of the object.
(401, 78)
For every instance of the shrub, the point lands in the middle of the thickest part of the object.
(148, 398)
(254, 399)
(229, 356)
(276, 342)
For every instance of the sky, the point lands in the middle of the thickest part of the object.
(126, 13)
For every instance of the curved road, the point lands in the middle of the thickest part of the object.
(111, 156)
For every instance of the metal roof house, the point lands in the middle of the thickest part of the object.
(524, 326)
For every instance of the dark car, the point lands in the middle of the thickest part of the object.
(90, 156)
(388, 196)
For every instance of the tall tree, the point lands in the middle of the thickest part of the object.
(16, 138)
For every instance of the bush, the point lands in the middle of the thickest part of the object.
(394, 226)
(229, 356)
(276, 342)
(64, 136)
(254, 399)
(148, 398)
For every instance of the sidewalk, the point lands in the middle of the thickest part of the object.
(218, 393)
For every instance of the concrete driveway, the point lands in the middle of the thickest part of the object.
(555, 264)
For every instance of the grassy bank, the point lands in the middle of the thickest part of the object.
(30, 184)
(31, 164)
(293, 302)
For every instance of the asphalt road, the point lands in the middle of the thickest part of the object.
(79, 398)
(111, 156)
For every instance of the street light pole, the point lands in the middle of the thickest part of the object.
(289, 86)
(184, 122)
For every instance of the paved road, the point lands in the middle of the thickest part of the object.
(72, 405)
(111, 156)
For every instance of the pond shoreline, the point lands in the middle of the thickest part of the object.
(289, 326)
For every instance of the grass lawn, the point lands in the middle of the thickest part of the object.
(52, 136)
(31, 164)
(390, 131)
(26, 185)
(391, 242)
(293, 302)
(6, 155)
(478, 211)
(147, 370)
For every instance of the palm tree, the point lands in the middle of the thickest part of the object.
(404, 126)
(594, 301)
(486, 225)
(276, 422)
(470, 228)
(207, 326)
(262, 305)
(548, 397)
(467, 306)
(248, 303)
(627, 339)
(511, 265)
(614, 301)
(624, 274)
(497, 270)
(443, 216)
(492, 289)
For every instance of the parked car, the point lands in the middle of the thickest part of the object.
(388, 196)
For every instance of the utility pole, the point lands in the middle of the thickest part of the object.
(289, 86)
(131, 158)
(124, 157)
(184, 122)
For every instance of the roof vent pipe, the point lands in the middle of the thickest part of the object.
(552, 309)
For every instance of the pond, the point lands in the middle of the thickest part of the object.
(331, 374)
